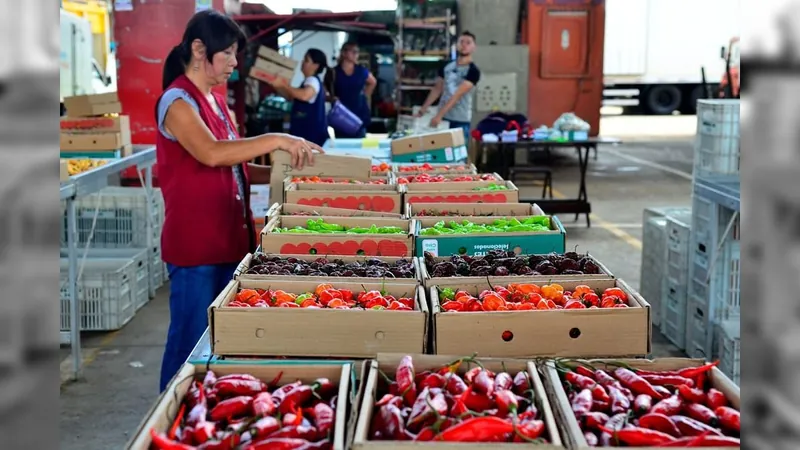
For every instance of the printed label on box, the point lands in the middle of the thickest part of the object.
(431, 246)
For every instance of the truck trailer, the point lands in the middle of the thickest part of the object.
(655, 52)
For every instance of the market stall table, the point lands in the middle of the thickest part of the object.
(88, 183)
(580, 204)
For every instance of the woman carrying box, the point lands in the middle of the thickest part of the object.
(308, 101)
(205, 178)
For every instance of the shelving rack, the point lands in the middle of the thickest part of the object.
(431, 24)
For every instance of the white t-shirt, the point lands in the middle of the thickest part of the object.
(314, 83)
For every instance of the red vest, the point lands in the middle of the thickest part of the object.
(204, 222)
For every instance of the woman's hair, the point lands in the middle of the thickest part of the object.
(215, 30)
(318, 57)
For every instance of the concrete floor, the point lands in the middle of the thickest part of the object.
(122, 368)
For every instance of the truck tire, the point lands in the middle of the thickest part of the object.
(663, 99)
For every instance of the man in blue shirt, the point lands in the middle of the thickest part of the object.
(455, 85)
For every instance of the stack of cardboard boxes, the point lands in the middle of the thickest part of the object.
(270, 65)
(94, 128)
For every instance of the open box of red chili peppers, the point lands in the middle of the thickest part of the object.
(669, 402)
(254, 407)
(442, 402)
(318, 319)
(590, 318)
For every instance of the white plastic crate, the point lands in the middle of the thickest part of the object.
(158, 267)
(107, 291)
(725, 283)
(673, 313)
(653, 269)
(678, 243)
(698, 328)
(121, 218)
(419, 125)
(728, 340)
(716, 149)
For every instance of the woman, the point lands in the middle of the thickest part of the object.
(352, 84)
(205, 177)
(308, 107)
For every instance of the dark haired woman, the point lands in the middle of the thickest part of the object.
(353, 85)
(308, 107)
(205, 178)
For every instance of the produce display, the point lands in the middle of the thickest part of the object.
(325, 296)
(501, 263)
(77, 166)
(492, 187)
(446, 213)
(329, 180)
(510, 225)
(639, 408)
(529, 297)
(428, 168)
(263, 264)
(241, 411)
(319, 226)
(440, 405)
(427, 178)
(381, 168)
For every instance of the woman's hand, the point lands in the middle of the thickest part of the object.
(302, 151)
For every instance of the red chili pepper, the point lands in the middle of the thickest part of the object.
(659, 422)
(387, 423)
(691, 427)
(594, 420)
(195, 394)
(579, 381)
(521, 383)
(665, 393)
(203, 432)
(599, 406)
(639, 437)
(668, 407)
(264, 427)
(642, 404)
(477, 402)
(581, 370)
(209, 380)
(704, 441)
(279, 394)
(263, 405)
(599, 393)
(324, 388)
(229, 441)
(528, 430)
(484, 383)
(455, 384)
(237, 376)
(279, 444)
(173, 430)
(296, 398)
(237, 387)
(668, 380)
(161, 442)
(503, 381)
(728, 418)
(591, 439)
(506, 402)
(476, 429)
(232, 407)
(294, 419)
(619, 402)
(404, 376)
(324, 417)
(433, 380)
(702, 413)
(715, 399)
(296, 432)
(607, 380)
(469, 377)
(636, 383)
(582, 403)
(691, 395)
(693, 372)
(200, 409)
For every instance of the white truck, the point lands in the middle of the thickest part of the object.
(655, 50)
(80, 73)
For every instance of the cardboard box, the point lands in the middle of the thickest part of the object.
(399, 245)
(275, 57)
(521, 243)
(589, 333)
(63, 170)
(317, 332)
(241, 272)
(93, 105)
(163, 413)
(93, 141)
(324, 165)
(565, 418)
(342, 183)
(267, 71)
(104, 124)
(378, 198)
(428, 280)
(438, 169)
(461, 192)
(293, 209)
(450, 185)
(388, 364)
(470, 210)
(440, 147)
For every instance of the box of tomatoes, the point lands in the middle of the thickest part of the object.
(665, 402)
(454, 402)
(386, 198)
(252, 406)
(529, 318)
(292, 209)
(345, 236)
(318, 319)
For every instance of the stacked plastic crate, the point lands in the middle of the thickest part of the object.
(714, 273)
(674, 287)
(115, 266)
